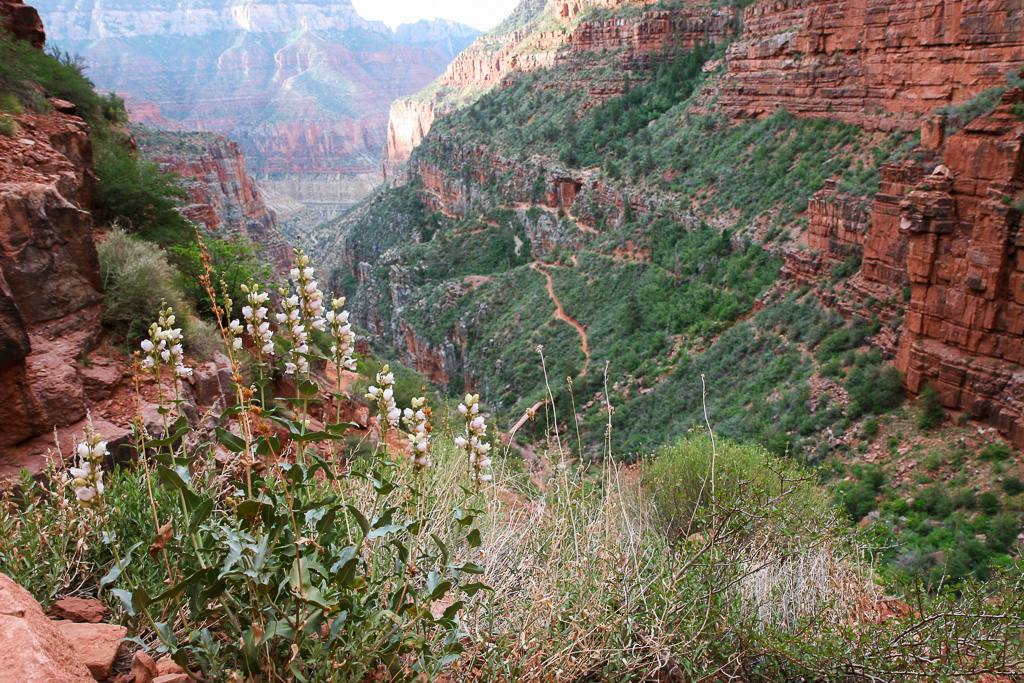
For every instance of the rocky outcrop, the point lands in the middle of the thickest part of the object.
(877, 63)
(50, 291)
(303, 86)
(22, 22)
(946, 225)
(964, 329)
(32, 648)
(409, 121)
(221, 195)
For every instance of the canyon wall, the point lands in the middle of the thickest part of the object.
(877, 63)
(303, 86)
(22, 22)
(546, 35)
(942, 241)
(50, 290)
(221, 196)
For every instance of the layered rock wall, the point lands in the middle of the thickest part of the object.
(220, 193)
(964, 327)
(567, 37)
(877, 63)
(22, 22)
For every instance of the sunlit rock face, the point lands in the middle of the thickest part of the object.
(304, 86)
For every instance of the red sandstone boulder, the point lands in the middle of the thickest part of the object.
(79, 610)
(96, 645)
(32, 648)
(144, 668)
(22, 21)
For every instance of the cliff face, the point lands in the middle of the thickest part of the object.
(965, 265)
(221, 195)
(22, 22)
(876, 63)
(304, 86)
(541, 36)
(50, 292)
(944, 228)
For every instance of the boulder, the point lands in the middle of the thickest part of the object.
(96, 645)
(79, 610)
(32, 648)
(144, 668)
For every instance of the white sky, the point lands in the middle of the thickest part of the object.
(480, 14)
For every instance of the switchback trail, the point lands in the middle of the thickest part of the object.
(563, 316)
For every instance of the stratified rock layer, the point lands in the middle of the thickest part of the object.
(876, 63)
(222, 196)
(524, 43)
(944, 233)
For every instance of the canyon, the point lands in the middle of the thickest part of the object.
(937, 243)
(303, 86)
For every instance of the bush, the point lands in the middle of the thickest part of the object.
(874, 388)
(1013, 486)
(996, 452)
(931, 412)
(679, 480)
(137, 278)
(988, 503)
(8, 126)
(1002, 532)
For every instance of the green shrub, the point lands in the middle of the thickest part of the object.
(874, 388)
(133, 194)
(10, 103)
(1002, 532)
(996, 452)
(1013, 486)
(931, 412)
(137, 278)
(988, 502)
(679, 479)
(8, 126)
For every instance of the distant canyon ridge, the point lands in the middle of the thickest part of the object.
(303, 86)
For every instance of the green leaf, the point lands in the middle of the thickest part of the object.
(125, 598)
(360, 519)
(200, 514)
(383, 531)
(440, 590)
(250, 508)
(230, 441)
(469, 568)
(442, 547)
(115, 571)
(308, 388)
(169, 441)
(472, 589)
(473, 538)
(453, 610)
(277, 629)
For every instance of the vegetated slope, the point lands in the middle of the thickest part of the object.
(809, 268)
(302, 86)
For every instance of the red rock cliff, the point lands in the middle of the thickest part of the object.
(877, 63)
(50, 292)
(221, 195)
(964, 328)
(566, 35)
(22, 22)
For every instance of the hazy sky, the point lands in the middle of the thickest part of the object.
(480, 14)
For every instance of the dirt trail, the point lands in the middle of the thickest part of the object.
(563, 316)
